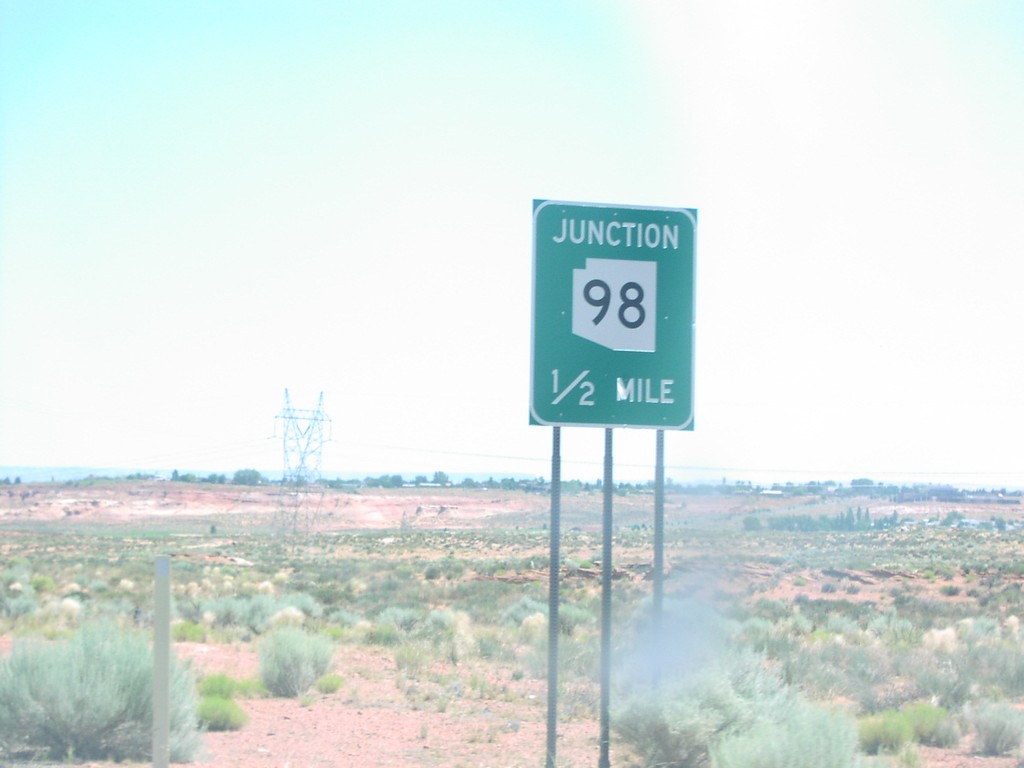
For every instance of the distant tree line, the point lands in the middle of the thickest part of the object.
(241, 477)
(849, 521)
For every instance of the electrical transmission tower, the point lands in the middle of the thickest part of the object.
(303, 441)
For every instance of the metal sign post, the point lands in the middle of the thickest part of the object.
(659, 543)
(555, 572)
(608, 488)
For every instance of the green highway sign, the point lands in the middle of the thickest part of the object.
(613, 319)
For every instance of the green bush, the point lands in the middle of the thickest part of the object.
(91, 697)
(228, 687)
(329, 683)
(932, 725)
(219, 713)
(188, 632)
(1000, 728)
(43, 584)
(218, 685)
(291, 660)
(884, 733)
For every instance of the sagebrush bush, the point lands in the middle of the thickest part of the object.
(291, 660)
(810, 737)
(999, 727)
(402, 619)
(523, 607)
(344, 618)
(92, 697)
(256, 612)
(679, 727)
(18, 606)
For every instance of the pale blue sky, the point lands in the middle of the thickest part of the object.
(202, 204)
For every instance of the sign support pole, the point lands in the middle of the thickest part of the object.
(606, 602)
(554, 567)
(659, 539)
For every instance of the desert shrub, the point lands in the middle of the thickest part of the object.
(831, 669)
(490, 644)
(681, 726)
(187, 632)
(344, 618)
(402, 619)
(842, 625)
(523, 607)
(291, 660)
(757, 633)
(227, 611)
(228, 687)
(999, 727)
(451, 568)
(1000, 667)
(306, 603)
(382, 634)
(777, 639)
(432, 572)
(218, 685)
(810, 737)
(937, 676)
(250, 688)
(219, 713)
(92, 697)
(440, 622)
(258, 612)
(932, 725)
(412, 658)
(329, 683)
(18, 606)
(42, 583)
(895, 630)
(884, 733)
(572, 616)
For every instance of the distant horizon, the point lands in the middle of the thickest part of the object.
(696, 476)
